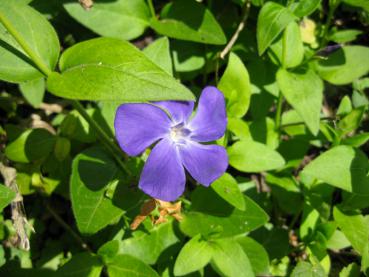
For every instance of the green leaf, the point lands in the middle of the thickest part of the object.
(351, 121)
(91, 72)
(236, 87)
(227, 188)
(293, 48)
(343, 167)
(194, 255)
(189, 20)
(356, 141)
(230, 260)
(212, 215)
(40, 36)
(344, 65)
(272, 20)
(239, 128)
(128, 266)
(81, 265)
(352, 270)
(33, 91)
(344, 36)
(305, 269)
(356, 229)
(117, 19)
(345, 106)
(305, 7)
(109, 250)
(159, 53)
(6, 196)
(257, 255)
(251, 156)
(92, 172)
(31, 145)
(304, 91)
(149, 246)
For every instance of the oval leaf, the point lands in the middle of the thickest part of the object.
(304, 92)
(342, 167)
(92, 172)
(189, 20)
(118, 19)
(236, 87)
(128, 266)
(6, 196)
(194, 255)
(91, 72)
(252, 156)
(272, 20)
(344, 65)
(159, 53)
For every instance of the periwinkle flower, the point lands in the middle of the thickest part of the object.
(178, 137)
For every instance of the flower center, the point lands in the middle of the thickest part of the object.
(179, 133)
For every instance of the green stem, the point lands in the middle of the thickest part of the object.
(278, 114)
(109, 143)
(151, 7)
(68, 228)
(302, 123)
(23, 43)
(326, 26)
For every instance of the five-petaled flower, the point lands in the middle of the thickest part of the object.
(178, 137)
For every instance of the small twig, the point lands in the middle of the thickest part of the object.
(68, 228)
(240, 27)
(19, 218)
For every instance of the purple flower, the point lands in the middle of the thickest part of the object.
(137, 126)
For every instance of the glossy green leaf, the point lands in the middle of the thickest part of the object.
(148, 246)
(90, 72)
(230, 260)
(189, 20)
(33, 91)
(6, 196)
(345, 106)
(227, 188)
(351, 121)
(356, 229)
(305, 7)
(92, 172)
(272, 20)
(109, 250)
(304, 92)
(344, 65)
(356, 141)
(117, 19)
(257, 255)
(251, 156)
(32, 144)
(305, 269)
(343, 167)
(352, 270)
(82, 265)
(293, 48)
(15, 64)
(239, 128)
(344, 36)
(236, 87)
(213, 215)
(159, 53)
(194, 255)
(128, 266)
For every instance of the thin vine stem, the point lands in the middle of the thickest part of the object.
(41, 65)
(109, 143)
(278, 114)
(151, 7)
(240, 27)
